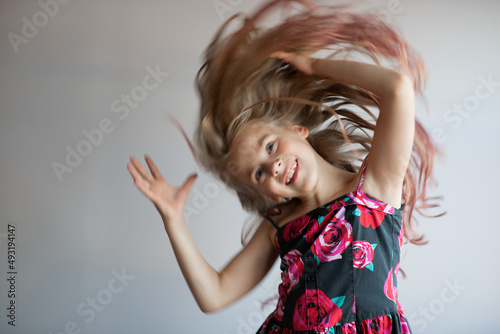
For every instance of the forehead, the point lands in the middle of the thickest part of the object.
(249, 136)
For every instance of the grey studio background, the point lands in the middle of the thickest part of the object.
(86, 84)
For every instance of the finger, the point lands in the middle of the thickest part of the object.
(140, 169)
(133, 171)
(277, 54)
(285, 56)
(152, 167)
(138, 179)
(144, 186)
(273, 212)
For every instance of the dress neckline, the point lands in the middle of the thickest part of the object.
(346, 195)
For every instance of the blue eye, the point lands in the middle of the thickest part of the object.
(260, 171)
(269, 147)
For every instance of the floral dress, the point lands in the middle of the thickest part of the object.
(339, 265)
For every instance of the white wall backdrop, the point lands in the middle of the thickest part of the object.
(97, 78)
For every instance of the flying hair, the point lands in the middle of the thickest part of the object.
(240, 83)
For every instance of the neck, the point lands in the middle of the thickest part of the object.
(333, 182)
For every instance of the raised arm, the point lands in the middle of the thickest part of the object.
(393, 138)
(212, 290)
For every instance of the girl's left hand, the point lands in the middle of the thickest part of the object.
(300, 62)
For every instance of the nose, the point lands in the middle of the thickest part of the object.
(276, 167)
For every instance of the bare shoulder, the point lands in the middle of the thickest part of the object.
(263, 235)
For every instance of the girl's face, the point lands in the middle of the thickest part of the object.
(276, 160)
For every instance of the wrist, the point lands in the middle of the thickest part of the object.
(326, 68)
(314, 65)
(169, 221)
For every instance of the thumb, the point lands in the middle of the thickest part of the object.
(186, 187)
(273, 211)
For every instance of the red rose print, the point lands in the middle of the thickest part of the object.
(337, 205)
(312, 231)
(380, 325)
(334, 215)
(295, 227)
(314, 310)
(349, 328)
(294, 268)
(371, 218)
(389, 289)
(333, 241)
(405, 329)
(280, 307)
(400, 238)
(362, 253)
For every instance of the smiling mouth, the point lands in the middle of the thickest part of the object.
(291, 173)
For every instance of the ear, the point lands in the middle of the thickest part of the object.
(302, 130)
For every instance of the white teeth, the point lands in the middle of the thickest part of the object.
(291, 173)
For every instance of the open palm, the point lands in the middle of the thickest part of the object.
(170, 201)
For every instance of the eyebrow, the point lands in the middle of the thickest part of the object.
(263, 139)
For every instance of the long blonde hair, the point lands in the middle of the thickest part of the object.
(239, 82)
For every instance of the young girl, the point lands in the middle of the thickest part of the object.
(332, 191)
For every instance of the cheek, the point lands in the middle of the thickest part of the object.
(287, 147)
(308, 175)
(298, 148)
(271, 188)
(268, 186)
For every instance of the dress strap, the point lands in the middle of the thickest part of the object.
(362, 178)
(272, 222)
